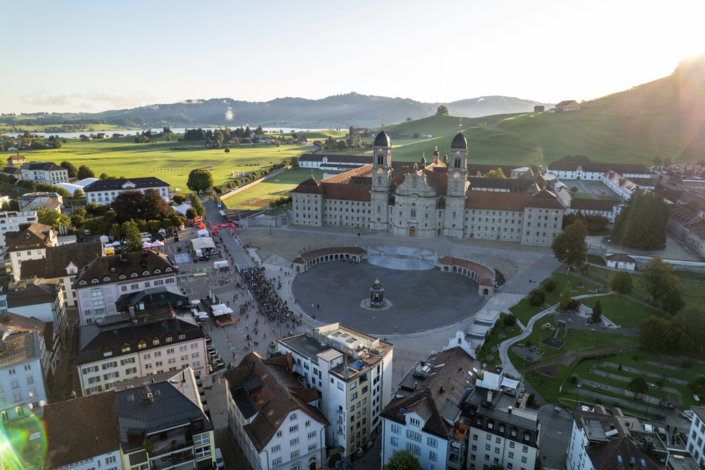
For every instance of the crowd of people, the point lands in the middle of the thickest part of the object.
(264, 291)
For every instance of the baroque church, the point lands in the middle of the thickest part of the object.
(440, 198)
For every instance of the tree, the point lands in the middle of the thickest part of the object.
(442, 110)
(496, 174)
(537, 298)
(179, 198)
(37, 145)
(115, 231)
(342, 145)
(53, 218)
(85, 172)
(566, 297)
(155, 207)
(132, 233)
(294, 162)
(80, 211)
(569, 246)
(652, 334)
(196, 205)
(199, 180)
(692, 320)
(92, 209)
(673, 301)
(191, 213)
(657, 161)
(104, 176)
(73, 172)
(642, 222)
(497, 466)
(128, 205)
(657, 278)
(409, 119)
(622, 283)
(638, 386)
(596, 317)
(78, 194)
(667, 161)
(402, 460)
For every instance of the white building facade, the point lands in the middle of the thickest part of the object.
(21, 379)
(44, 172)
(10, 222)
(103, 192)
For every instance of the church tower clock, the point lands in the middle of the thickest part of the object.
(381, 181)
(457, 185)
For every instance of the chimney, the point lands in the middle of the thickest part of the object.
(509, 410)
(346, 372)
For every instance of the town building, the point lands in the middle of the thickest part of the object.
(474, 337)
(688, 227)
(606, 208)
(101, 283)
(83, 434)
(152, 297)
(138, 344)
(62, 263)
(41, 299)
(103, 192)
(605, 441)
(502, 431)
(696, 435)
(424, 417)
(621, 261)
(30, 241)
(164, 423)
(43, 200)
(13, 171)
(593, 171)
(44, 172)
(22, 383)
(274, 420)
(16, 160)
(539, 109)
(333, 162)
(568, 105)
(623, 187)
(10, 222)
(353, 373)
(427, 201)
(49, 341)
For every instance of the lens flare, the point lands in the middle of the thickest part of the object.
(23, 442)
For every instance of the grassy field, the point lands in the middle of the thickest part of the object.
(122, 157)
(524, 311)
(259, 195)
(622, 310)
(495, 340)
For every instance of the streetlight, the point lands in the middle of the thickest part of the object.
(578, 397)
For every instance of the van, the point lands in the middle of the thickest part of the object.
(219, 462)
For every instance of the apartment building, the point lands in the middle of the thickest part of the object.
(105, 191)
(138, 344)
(22, 384)
(501, 431)
(10, 222)
(44, 172)
(164, 423)
(696, 436)
(62, 263)
(94, 438)
(275, 421)
(424, 416)
(99, 285)
(49, 341)
(353, 373)
(30, 241)
(43, 200)
(605, 440)
(41, 299)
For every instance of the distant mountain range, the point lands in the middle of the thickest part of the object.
(334, 111)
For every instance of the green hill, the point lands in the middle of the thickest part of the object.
(663, 118)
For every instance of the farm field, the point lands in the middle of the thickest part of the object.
(261, 194)
(123, 157)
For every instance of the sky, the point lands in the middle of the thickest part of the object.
(88, 56)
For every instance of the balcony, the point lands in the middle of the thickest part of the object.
(341, 412)
(170, 441)
(181, 460)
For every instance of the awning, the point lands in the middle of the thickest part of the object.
(509, 383)
(201, 243)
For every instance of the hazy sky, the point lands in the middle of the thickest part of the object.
(96, 55)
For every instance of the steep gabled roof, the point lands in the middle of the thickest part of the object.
(489, 200)
(58, 259)
(544, 199)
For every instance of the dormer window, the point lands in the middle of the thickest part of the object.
(134, 275)
(122, 276)
(82, 283)
(145, 273)
(106, 279)
(113, 268)
(107, 352)
(169, 338)
(126, 348)
(95, 281)
(142, 344)
(182, 335)
(157, 271)
(155, 341)
(168, 270)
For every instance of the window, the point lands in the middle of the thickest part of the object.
(432, 442)
(277, 461)
(395, 441)
(488, 447)
(511, 445)
(523, 460)
(276, 448)
(474, 437)
(294, 442)
(294, 428)
(28, 367)
(295, 454)
(279, 434)
(511, 455)
(414, 449)
(203, 452)
(525, 449)
(395, 429)
(292, 417)
(415, 422)
(15, 384)
(413, 435)
(312, 434)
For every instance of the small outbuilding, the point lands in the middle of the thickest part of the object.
(621, 261)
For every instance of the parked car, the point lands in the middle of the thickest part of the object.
(219, 462)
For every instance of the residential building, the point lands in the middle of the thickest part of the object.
(16, 160)
(687, 227)
(44, 200)
(138, 344)
(30, 241)
(42, 299)
(621, 261)
(605, 441)
(62, 263)
(105, 191)
(425, 415)
(622, 186)
(49, 341)
(152, 297)
(44, 172)
(568, 105)
(501, 430)
(606, 208)
(99, 285)
(10, 222)
(275, 421)
(83, 434)
(696, 435)
(21, 379)
(474, 338)
(593, 171)
(353, 373)
(412, 199)
(164, 424)
(539, 109)
(13, 171)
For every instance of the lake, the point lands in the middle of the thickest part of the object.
(176, 130)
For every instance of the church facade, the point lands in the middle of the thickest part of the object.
(430, 200)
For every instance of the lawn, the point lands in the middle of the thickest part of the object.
(623, 311)
(494, 340)
(281, 185)
(122, 157)
(524, 311)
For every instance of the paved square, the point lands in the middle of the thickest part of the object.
(421, 300)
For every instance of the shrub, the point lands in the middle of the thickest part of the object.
(537, 298)
(550, 286)
(635, 357)
(574, 305)
(510, 320)
(574, 378)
